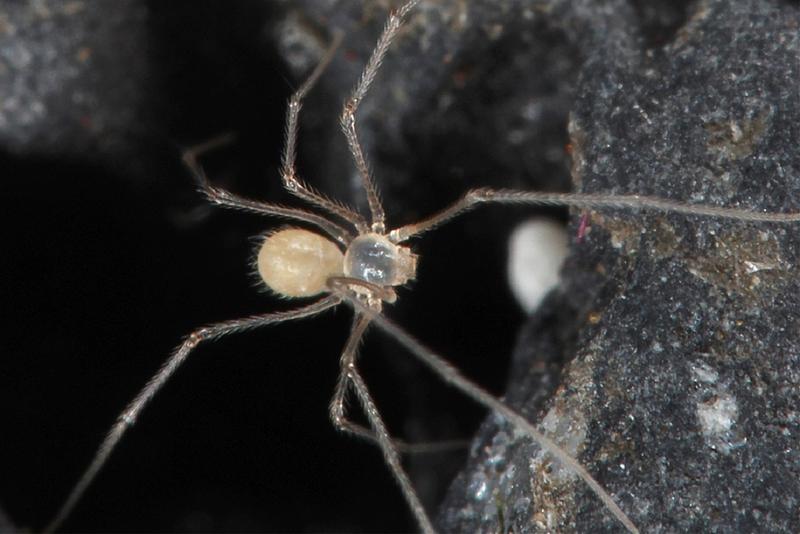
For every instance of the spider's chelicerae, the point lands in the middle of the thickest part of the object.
(359, 262)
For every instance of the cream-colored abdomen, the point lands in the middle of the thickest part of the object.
(297, 263)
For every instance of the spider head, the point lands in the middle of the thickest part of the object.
(373, 258)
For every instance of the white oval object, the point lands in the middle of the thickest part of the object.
(536, 250)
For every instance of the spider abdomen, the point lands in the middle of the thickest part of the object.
(297, 263)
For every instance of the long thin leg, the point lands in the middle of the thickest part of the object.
(226, 199)
(348, 373)
(452, 376)
(342, 423)
(131, 412)
(390, 454)
(348, 118)
(288, 172)
(403, 447)
(336, 408)
(583, 200)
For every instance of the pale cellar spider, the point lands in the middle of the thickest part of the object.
(359, 262)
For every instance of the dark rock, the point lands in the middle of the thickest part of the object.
(681, 389)
(74, 76)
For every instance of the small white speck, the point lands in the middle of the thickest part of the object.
(704, 373)
(480, 493)
(479, 487)
(718, 415)
(754, 266)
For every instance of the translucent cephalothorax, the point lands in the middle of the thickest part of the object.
(375, 259)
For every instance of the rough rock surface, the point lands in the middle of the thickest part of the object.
(63, 90)
(682, 334)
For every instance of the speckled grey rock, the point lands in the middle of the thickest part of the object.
(73, 76)
(681, 334)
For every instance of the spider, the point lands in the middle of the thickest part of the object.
(360, 262)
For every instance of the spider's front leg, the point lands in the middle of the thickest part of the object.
(132, 411)
(349, 375)
(291, 181)
(226, 199)
(583, 200)
(454, 377)
(348, 117)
